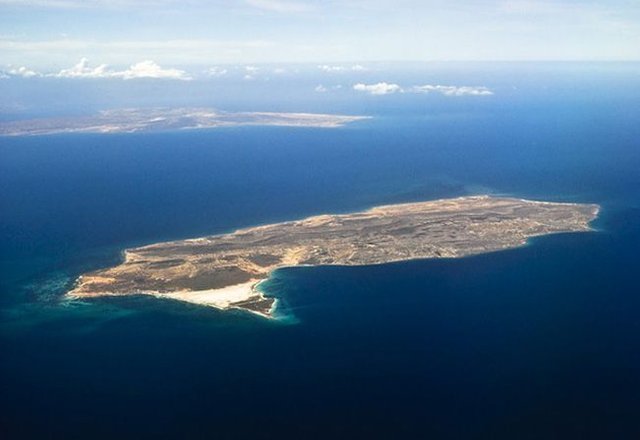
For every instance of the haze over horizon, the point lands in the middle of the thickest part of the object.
(157, 35)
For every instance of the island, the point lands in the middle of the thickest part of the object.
(223, 271)
(165, 119)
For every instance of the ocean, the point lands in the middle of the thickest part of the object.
(537, 342)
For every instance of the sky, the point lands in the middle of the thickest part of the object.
(161, 37)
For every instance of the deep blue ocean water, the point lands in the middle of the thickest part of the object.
(537, 342)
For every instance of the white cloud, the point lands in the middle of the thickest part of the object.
(384, 88)
(532, 7)
(45, 3)
(149, 69)
(24, 72)
(254, 72)
(283, 6)
(280, 6)
(251, 72)
(99, 4)
(323, 89)
(143, 69)
(337, 69)
(452, 90)
(82, 70)
(216, 71)
(381, 88)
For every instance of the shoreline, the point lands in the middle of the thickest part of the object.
(223, 298)
(225, 271)
(159, 119)
(219, 299)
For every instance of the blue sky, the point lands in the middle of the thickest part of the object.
(56, 34)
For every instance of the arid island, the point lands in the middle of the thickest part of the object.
(133, 120)
(223, 271)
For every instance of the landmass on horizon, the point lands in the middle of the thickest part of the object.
(133, 120)
(223, 271)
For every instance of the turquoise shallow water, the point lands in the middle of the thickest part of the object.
(537, 342)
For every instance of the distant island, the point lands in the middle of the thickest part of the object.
(223, 271)
(165, 119)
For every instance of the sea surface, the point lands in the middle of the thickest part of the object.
(540, 342)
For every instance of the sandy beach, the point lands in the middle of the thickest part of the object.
(223, 298)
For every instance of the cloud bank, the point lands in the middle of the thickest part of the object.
(384, 88)
(452, 90)
(338, 69)
(381, 88)
(24, 72)
(143, 69)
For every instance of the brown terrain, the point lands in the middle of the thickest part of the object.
(223, 270)
(167, 119)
